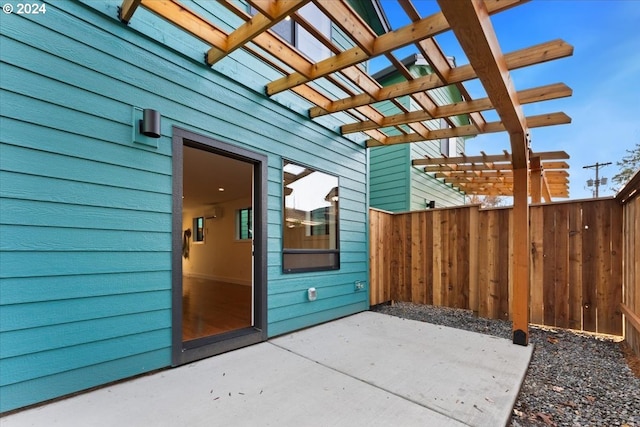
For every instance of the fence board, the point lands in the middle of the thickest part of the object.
(429, 254)
(575, 265)
(548, 266)
(603, 265)
(418, 272)
(631, 292)
(614, 321)
(503, 263)
(537, 265)
(589, 267)
(608, 294)
(436, 262)
(473, 259)
(483, 265)
(380, 257)
(561, 273)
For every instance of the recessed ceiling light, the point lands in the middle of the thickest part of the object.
(220, 189)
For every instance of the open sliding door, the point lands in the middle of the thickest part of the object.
(219, 244)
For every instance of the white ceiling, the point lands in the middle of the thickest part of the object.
(205, 172)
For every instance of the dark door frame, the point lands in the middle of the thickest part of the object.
(185, 352)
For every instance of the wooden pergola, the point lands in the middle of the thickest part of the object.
(469, 20)
(492, 175)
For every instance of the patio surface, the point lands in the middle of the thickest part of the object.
(369, 369)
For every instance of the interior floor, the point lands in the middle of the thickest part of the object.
(212, 307)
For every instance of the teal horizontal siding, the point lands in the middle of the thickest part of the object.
(278, 327)
(44, 388)
(24, 316)
(389, 178)
(30, 238)
(23, 290)
(54, 214)
(31, 187)
(46, 363)
(339, 289)
(294, 284)
(85, 248)
(57, 336)
(34, 264)
(39, 163)
(116, 151)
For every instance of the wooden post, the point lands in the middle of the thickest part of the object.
(520, 305)
(536, 180)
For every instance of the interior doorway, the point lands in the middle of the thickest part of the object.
(219, 296)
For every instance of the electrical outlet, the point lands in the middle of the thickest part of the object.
(358, 285)
(312, 294)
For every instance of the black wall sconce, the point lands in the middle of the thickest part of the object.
(431, 204)
(150, 123)
(146, 128)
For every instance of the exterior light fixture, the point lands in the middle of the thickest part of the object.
(150, 123)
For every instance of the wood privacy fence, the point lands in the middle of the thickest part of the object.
(629, 197)
(461, 257)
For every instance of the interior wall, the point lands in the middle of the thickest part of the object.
(221, 256)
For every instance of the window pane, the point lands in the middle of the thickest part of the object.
(305, 42)
(244, 224)
(198, 229)
(283, 28)
(310, 232)
(310, 261)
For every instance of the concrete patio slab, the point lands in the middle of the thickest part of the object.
(369, 369)
(469, 377)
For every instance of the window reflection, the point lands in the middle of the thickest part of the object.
(310, 232)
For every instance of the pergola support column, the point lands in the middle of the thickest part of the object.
(520, 302)
(536, 180)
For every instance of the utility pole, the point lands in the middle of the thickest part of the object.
(597, 182)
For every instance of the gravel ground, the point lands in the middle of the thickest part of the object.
(573, 380)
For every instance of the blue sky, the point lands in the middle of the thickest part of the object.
(604, 73)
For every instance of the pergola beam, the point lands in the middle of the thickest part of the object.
(127, 9)
(188, 20)
(557, 177)
(470, 130)
(472, 26)
(543, 93)
(506, 157)
(522, 58)
(438, 167)
(349, 22)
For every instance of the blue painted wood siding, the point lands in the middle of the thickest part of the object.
(390, 178)
(85, 247)
(396, 185)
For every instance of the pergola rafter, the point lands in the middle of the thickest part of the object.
(470, 22)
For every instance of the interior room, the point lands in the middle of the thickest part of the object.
(217, 280)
